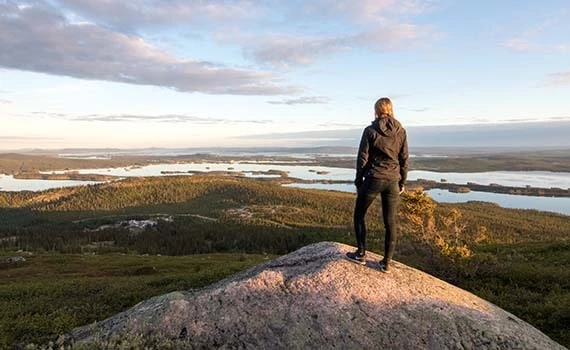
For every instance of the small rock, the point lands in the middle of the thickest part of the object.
(14, 259)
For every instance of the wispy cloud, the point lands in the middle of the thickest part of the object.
(519, 45)
(379, 25)
(341, 125)
(163, 118)
(557, 79)
(285, 50)
(535, 36)
(417, 109)
(39, 38)
(365, 10)
(9, 138)
(46, 114)
(525, 45)
(564, 118)
(135, 14)
(303, 100)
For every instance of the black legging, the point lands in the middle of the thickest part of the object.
(389, 193)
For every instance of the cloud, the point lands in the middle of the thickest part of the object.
(522, 45)
(303, 100)
(519, 45)
(558, 79)
(5, 102)
(40, 39)
(24, 138)
(538, 29)
(134, 14)
(100, 39)
(47, 114)
(365, 10)
(420, 109)
(565, 118)
(285, 50)
(163, 118)
(341, 125)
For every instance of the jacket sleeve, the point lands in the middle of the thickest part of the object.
(403, 160)
(362, 157)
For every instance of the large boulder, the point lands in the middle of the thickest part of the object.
(316, 298)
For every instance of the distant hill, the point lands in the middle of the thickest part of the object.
(531, 135)
(481, 137)
(508, 135)
(314, 298)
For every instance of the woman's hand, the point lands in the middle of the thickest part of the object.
(358, 182)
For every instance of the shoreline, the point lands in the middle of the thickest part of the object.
(13, 163)
(283, 178)
(460, 188)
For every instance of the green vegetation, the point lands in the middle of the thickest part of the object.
(13, 163)
(51, 293)
(531, 280)
(87, 263)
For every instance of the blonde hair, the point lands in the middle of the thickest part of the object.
(383, 107)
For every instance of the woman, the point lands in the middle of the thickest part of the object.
(381, 168)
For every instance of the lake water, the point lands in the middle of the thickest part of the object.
(8, 183)
(308, 172)
(543, 179)
(556, 205)
(297, 170)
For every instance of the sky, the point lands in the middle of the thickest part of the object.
(175, 73)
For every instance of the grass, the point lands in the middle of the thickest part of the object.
(50, 294)
(531, 280)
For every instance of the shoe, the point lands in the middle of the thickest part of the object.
(384, 267)
(357, 257)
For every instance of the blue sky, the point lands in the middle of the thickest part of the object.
(149, 73)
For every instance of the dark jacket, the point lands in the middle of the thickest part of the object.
(383, 151)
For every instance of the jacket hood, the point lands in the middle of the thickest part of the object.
(387, 126)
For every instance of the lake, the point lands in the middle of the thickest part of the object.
(8, 183)
(308, 172)
(556, 205)
(543, 179)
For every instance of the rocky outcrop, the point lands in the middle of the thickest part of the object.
(13, 260)
(315, 298)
